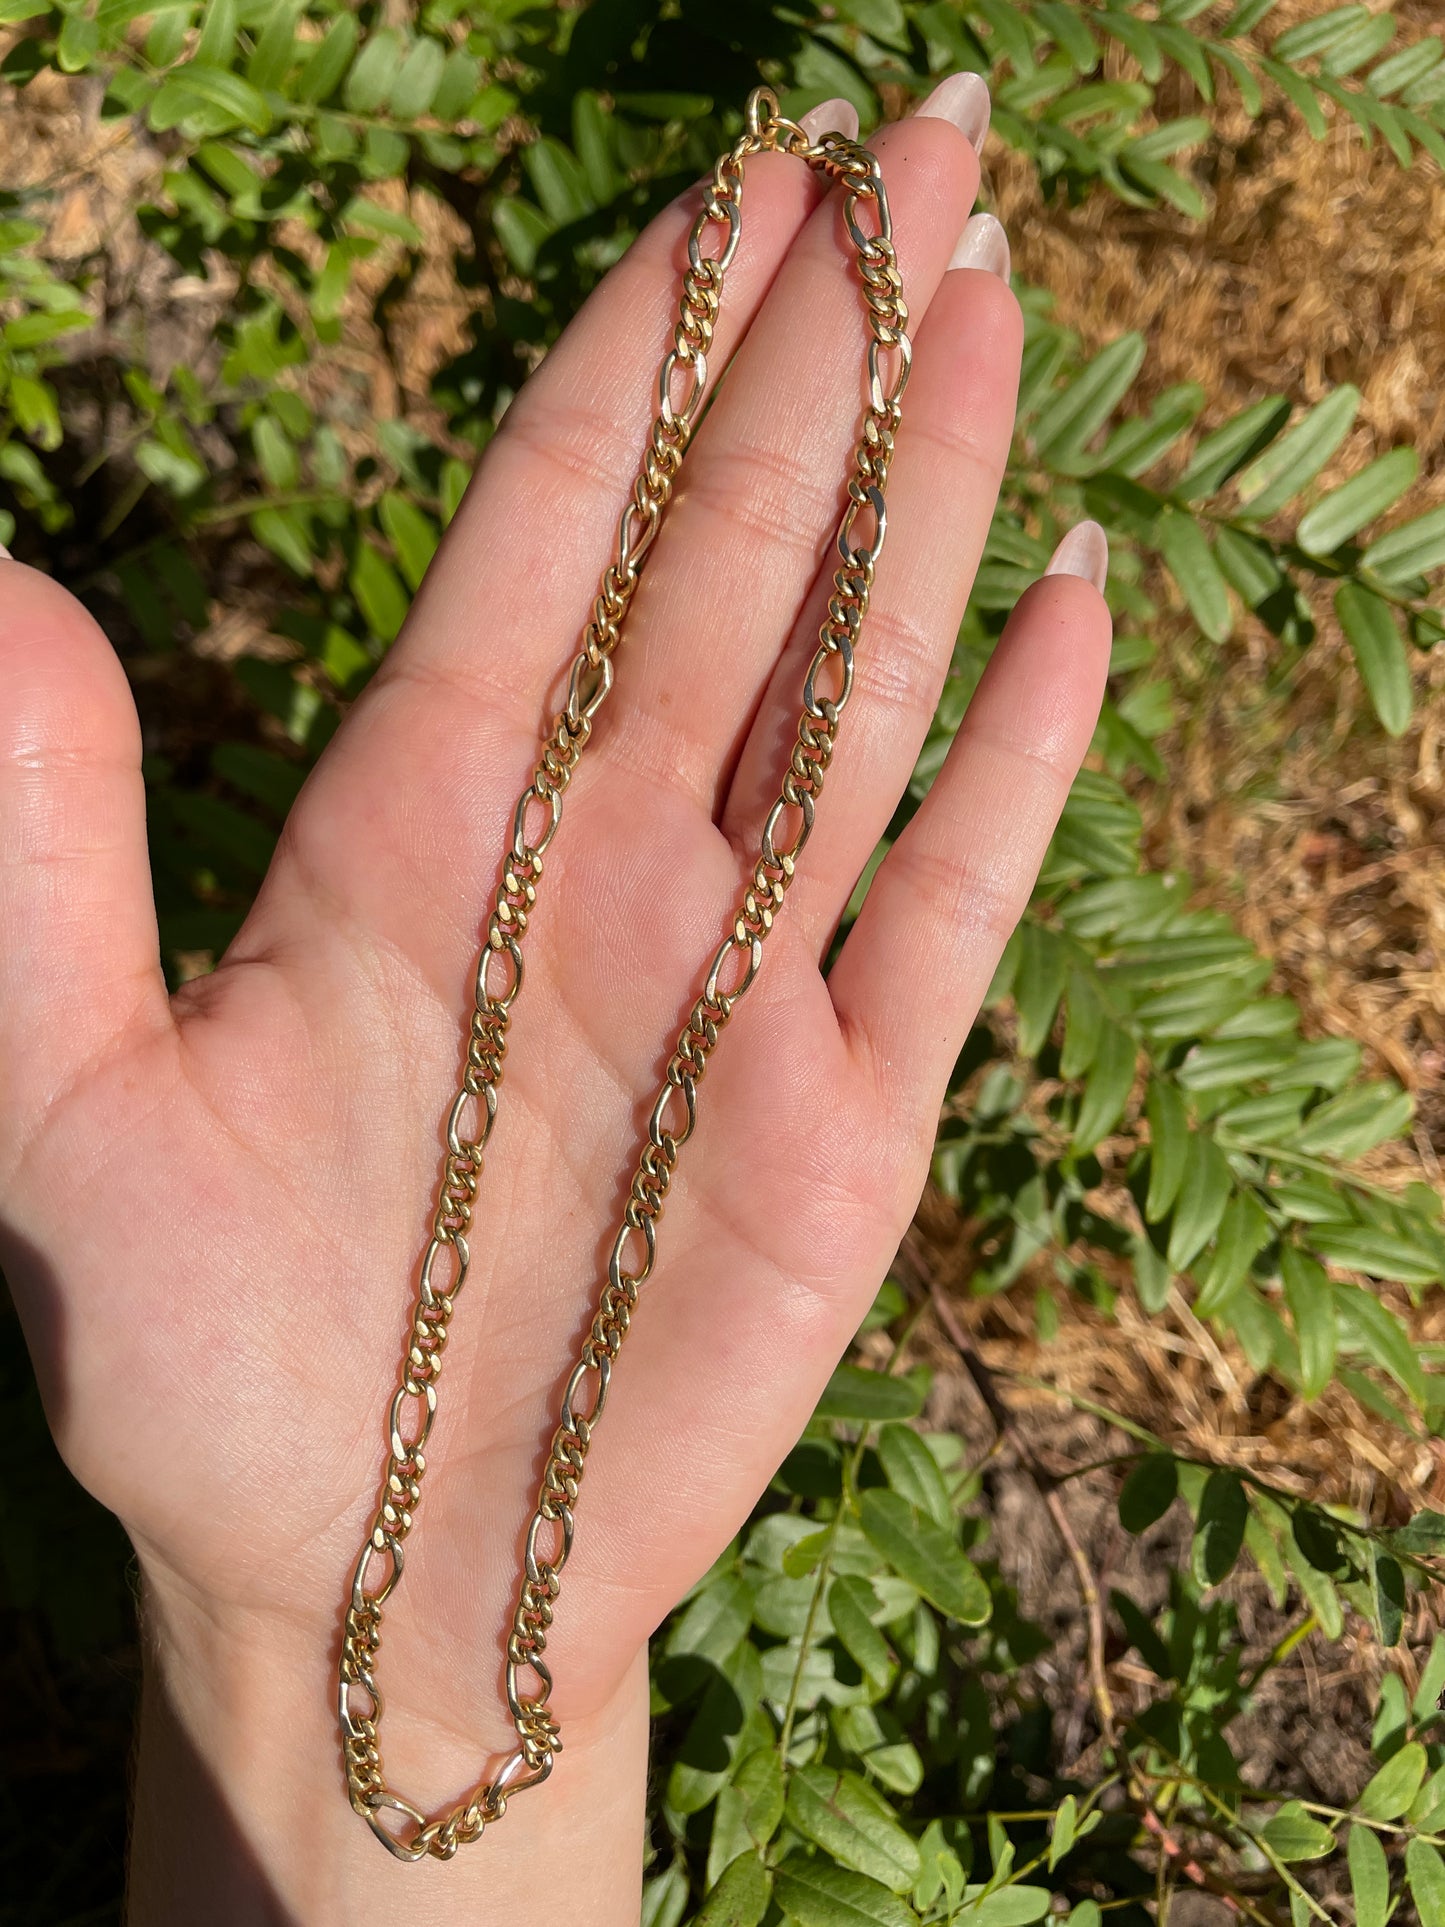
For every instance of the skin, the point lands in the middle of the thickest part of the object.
(213, 1203)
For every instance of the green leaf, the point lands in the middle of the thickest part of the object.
(77, 44)
(1394, 1787)
(1423, 1536)
(1426, 1703)
(1368, 1326)
(760, 1781)
(1249, 564)
(1070, 33)
(1373, 630)
(412, 535)
(218, 33)
(1153, 1280)
(854, 1392)
(714, 1624)
(1228, 447)
(1318, 1589)
(361, 211)
(322, 73)
(1148, 1492)
(1170, 137)
(275, 46)
(1062, 1830)
(1133, 35)
(415, 86)
(1310, 1298)
(1192, 563)
(1006, 1907)
(1165, 183)
(260, 773)
(1251, 94)
(379, 594)
(740, 1898)
(285, 533)
(1355, 1122)
(1084, 1022)
(852, 1604)
(557, 180)
(1292, 1834)
(1137, 444)
(36, 411)
(369, 83)
(1389, 1583)
(1235, 1061)
(1381, 1253)
(1425, 1872)
(1223, 1513)
(591, 136)
(35, 329)
(521, 229)
(816, 1893)
(1169, 1141)
(1038, 984)
(664, 1900)
(1107, 1090)
(1410, 64)
(1071, 418)
(913, 1472)
(275, 453)
(1314, 36)
(1414, 548)
(1362, 42)
(926, 1555)
(1203, 1194)
(1369, 1877)
(854, 1825)
(1356, 503)
(1278, 475)
(221, 99)
(461, 77)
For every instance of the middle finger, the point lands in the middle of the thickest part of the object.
(760, 493)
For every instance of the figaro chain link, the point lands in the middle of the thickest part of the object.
(682, 379)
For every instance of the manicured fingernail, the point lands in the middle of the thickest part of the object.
(963, 99)
(983, 244)
(831, 117)
(1084, 551)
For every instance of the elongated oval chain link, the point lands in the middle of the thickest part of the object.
(682, 379)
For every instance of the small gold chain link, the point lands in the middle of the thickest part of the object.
(682, 379)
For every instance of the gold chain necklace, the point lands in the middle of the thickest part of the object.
(498, 979)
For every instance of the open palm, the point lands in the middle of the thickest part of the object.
(214, 1203)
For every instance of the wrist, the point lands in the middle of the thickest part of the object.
(241, 1814)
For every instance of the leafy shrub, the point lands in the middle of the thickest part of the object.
(840, 1739)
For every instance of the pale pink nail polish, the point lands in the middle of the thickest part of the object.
(983, 244)
(1084, 551)
(963, 99)
(830, 116)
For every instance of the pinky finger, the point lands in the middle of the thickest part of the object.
(914, 969)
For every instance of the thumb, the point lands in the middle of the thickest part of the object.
(80, 969)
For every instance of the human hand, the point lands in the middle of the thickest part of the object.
(214, 1202)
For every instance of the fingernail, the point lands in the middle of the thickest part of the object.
(983, 244)
(1084, 551)
(963, 99)
(5, 555)
(831, 116)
